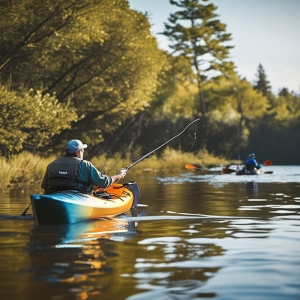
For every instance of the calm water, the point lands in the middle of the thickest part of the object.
(195, 235)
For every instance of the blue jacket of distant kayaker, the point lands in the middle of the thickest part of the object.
(251, 163)
(73, 173)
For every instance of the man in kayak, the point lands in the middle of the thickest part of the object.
(251, 163)
(72, 172)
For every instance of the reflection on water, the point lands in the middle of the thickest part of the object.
(251, 188)
(77, 254)
(188, 239)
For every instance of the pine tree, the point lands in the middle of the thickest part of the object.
(262, 84)
(195, 32)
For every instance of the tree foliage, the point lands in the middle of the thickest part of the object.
(195, 32)
(262, 84)
(287, 108)
(97, 55)
(30, 120)
(177, 94)
(235, 109)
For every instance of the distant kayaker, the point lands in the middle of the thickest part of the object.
(251, 162)
(72, 172)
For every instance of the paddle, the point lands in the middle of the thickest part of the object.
(192, 167)
(268, 163)
(227, 171)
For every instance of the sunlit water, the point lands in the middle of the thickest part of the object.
(195, 235)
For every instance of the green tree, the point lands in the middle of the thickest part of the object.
(97, 55)
(197, 33)
(176, 95)
(236, 109)
(262, 84)
(28, 121)
(174, 105)
(287, 107)
(25, 24)
(278, 136)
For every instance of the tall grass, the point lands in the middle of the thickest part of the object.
(28, 169)
(169, 160)
(22, 169)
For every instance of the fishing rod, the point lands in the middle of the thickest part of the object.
(148, 154)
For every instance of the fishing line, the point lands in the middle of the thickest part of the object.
(195, 136)
(151, 152)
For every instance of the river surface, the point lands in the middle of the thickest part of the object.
(194, 235)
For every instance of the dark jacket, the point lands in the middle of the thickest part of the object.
(73, 173)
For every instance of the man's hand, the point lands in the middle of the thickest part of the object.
(121, 174)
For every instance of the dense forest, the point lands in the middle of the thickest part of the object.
(92, 70)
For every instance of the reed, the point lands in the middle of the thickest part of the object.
(27, 169)
(168, 161)
(22, 169)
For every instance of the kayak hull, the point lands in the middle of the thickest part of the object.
(244, 171)
(71, 206)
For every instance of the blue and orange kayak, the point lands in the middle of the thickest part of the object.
(71, 206)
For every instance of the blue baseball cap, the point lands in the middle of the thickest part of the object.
(74, 145)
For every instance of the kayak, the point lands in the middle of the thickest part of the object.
(244, 171)
(70, 206)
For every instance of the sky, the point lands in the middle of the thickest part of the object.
(262, 31)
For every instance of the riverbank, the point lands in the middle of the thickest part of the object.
(27, 169)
